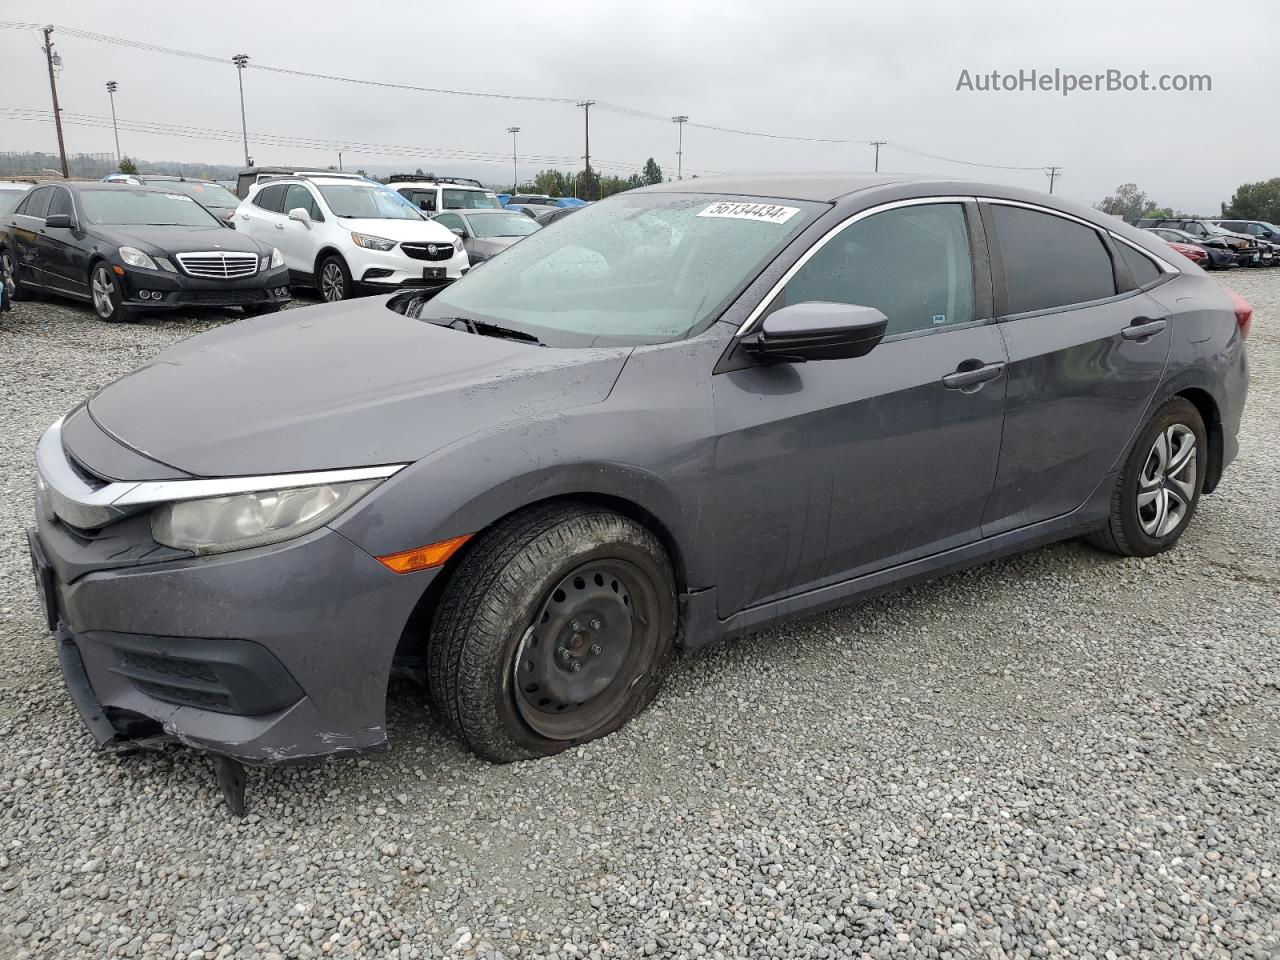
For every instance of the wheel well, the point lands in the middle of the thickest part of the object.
(1208, 410)
(326, 252)
(411, 648)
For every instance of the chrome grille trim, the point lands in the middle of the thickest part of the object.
(219, 264)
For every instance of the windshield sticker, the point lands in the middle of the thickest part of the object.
(734, 210)
(178, 196)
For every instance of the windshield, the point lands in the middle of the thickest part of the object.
(138, 206)
(470, 200)
(357, 201)
(208, 194)
(486, 225)
(636, 268)
(1216, 231)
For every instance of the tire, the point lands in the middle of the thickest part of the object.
(8, 268)
(1137, 527)
(260, 309)
(106, 296)
(333, 279)
(580, 602)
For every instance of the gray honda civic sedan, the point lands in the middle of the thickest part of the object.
(686, 412)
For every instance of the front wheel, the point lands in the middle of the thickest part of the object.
(1159, 485)
(333, 280)
(108, 298)
(555, 629)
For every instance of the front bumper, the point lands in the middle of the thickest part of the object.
(393, 269)
(174, 290)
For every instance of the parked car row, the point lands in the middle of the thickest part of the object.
(1222, 243)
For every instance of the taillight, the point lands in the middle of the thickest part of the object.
(1243, 312)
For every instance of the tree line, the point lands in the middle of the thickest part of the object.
(1251, 201)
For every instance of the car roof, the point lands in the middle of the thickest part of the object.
(820, 187)
(116, 187)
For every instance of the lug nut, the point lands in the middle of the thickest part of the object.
(575, 626)
(595, 649)
(596, 624)
(564, 653)
(575, 666)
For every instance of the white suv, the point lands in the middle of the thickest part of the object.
(345, 234)
(431, 194)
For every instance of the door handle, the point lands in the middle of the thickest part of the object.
(972, 373)
(1141, 328)
(279, 226)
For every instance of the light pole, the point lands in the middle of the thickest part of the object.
(241, 60)
(680, 121)
(515, 170)
(112, 86)
(340, 159)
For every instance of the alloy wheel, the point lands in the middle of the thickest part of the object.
(103, 289)
(332, 283)
(1167, 484)
(577, 661)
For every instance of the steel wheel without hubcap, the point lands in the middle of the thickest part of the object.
(1167, 484)
(577, 662)
(103, 293)
(333, 285)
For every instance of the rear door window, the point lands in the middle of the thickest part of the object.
(37, 204)
(271, 197)
(1050, 261)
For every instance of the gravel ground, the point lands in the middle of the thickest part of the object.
(1059, 754)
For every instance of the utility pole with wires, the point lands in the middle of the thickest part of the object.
(54, 60)
(680, 121)
(112, 86)
(586, 106)
(241, 60)
(515, 165)
(1053, 173)
(878, 144)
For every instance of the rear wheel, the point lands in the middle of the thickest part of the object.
(555, 629)
(108, 298)
(1159, 485)
(333, 279)
(9, 271)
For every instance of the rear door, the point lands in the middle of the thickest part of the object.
(28, 221)
(1087, 349)
(262, 217)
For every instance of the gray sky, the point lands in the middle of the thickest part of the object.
(850, 70)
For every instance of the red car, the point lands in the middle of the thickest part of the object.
(1193, 253)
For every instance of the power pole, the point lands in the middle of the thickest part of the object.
(878, 144)
(586, 106)
(241, 60)
(680, 121)
(51, 58)
(340, 159)
(112, 86)
(515, 167)
(1053, 173)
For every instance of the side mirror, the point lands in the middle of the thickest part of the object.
(301, 215)
(817, 331)
(457, 231)
(58, 221)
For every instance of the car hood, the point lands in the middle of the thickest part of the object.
(166, 240)
(424, 231)
(338, 385)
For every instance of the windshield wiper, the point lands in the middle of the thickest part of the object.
(482, 328)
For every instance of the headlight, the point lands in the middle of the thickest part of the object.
(372, 243)
(221, 524)
(277, 258)
(136, 258)
(457, 245)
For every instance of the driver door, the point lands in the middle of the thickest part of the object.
(836, 468)
(296, 239)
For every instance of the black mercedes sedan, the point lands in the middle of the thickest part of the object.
(128, 249)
